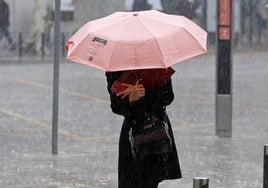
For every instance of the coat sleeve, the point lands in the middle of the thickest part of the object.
(162, 96)
(166, 93)
(119, 106)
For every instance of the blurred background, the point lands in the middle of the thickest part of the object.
(89, 131)
(31, 21)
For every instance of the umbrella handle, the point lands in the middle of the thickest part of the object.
(139, 76)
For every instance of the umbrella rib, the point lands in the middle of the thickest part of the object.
(195, 39)
(159, 21)
(155, 40)
(160, 51)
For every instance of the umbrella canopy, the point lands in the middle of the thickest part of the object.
(136, 40)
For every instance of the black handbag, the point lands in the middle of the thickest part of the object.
(151, 139)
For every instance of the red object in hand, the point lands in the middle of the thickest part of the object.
(118, 87)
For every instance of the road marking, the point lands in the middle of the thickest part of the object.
(47, 126)
(244, 106)
(47, 86)
(89, 97)
(198, 97)
(39, 123)
(250, 107)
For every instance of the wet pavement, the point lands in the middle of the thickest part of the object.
(88, 131)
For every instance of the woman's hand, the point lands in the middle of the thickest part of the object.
(137, 92)
(134, 92)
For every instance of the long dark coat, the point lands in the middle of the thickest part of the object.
(160, 167)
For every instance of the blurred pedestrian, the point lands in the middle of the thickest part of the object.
(141, 106)
(254, 19)
(179, 7)
(169, 6)
(261, 17)
(4, 24)
(200, 12)
(140, 5)
(186, 8)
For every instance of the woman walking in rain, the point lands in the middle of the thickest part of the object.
(147, 151)
(141, 106)
(4, 24)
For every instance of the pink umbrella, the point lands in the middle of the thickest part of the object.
(136, 40)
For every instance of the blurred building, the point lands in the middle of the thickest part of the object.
(86, 10)
(33, 17)
(74, 12)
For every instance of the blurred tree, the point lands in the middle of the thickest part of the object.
(40, 23)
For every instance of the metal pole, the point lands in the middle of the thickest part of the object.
(57, 17)
(224, 70)
(265, 167)
(199, 182)
(251, 17)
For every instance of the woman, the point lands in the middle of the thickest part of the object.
(139, 106)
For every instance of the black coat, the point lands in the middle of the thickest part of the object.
(161, 167)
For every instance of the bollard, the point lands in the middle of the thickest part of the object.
(200, 182)
(265, 167)
(20, 45)
(43, 38)
(63, 38)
